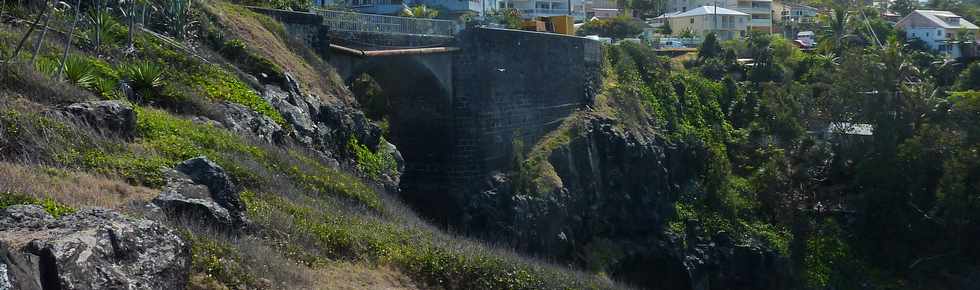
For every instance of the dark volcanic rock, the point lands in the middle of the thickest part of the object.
(241, 119)
(323, 125)
(90, 249)
(106, 117)
(199, 188)
(604, 198)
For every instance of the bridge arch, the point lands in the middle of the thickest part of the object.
(417, 96)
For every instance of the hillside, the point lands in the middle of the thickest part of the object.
(234, 138)
(171, 144)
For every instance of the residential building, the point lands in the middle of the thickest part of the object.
(760, 11)
(544, 8)
(942, 31)
(394, 7)
(794, 12)
(726, 23)
(601, 9)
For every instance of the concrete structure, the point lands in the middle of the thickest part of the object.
(942, 31)
(725, 23)
(457, 112)
(543, 8)
(760, 10)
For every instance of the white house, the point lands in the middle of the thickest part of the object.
(761, 11)
(727, 23)
(940, 30)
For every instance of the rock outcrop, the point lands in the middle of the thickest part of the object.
(604, 198)
(322, 125)
(200, 189)
(90, 249)
(106, 117)
(242, 120)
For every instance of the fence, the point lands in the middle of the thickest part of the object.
(359, 22)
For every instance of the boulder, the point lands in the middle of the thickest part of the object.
(90, 249)
(200, 189)
(242, 120)
(106, 117)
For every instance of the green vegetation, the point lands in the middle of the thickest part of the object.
(374, 164)
(427, 256)
(419, 11)
(51, 206)
(218, 261)
(618, 27)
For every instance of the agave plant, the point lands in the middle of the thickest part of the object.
(145, 78)
(177, 18)
(106, 87)
(103, 25)
(80, 72)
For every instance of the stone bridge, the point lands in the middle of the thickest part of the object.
(456, 111)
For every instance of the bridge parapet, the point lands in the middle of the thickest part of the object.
(359, 22)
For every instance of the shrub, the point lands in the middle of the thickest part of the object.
(374, 164)
(145, 78)
(619, 27)
(52, 207)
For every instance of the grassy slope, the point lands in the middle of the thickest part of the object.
(315, 219)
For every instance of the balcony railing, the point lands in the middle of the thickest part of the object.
(550, 12)
(753, 10)
(359, 22)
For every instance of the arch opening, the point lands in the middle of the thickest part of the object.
(407, 97)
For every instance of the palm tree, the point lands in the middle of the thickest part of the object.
(24, 39)
(419, 11)
(44, 31)
(836, 30)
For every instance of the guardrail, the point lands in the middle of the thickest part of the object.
(359, 22)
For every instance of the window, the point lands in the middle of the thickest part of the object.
(939, 33)
(692, 19)
(949, 35)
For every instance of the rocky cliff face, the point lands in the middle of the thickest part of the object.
(602, 196)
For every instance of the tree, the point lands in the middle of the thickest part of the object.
(710, 48)
(904, 7)
(44, 31)
(71, 34)
(970, 78)
(666, 30)
(831, 39)
(618, 27)
(23, 39)
(419, 11)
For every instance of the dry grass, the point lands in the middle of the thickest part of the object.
(244, 25)
(344, 275)
(75, 189)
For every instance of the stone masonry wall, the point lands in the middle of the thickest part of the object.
(511, 85)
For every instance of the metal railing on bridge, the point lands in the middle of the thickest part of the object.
(359, 22)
